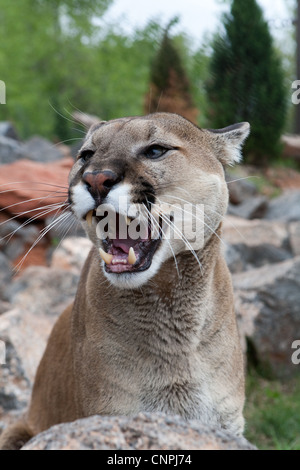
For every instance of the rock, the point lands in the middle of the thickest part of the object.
(41, 150)
(267, 306)
(10, 150)
(37, 298)
(7, 130)
(4, 307)
(71, 254)
(251, 208)
(291, 145)
(254, 232)
(142, 432)
(65, 150)
(5, 275)
(240, 189)
(14, 384)
(70, 228)
(285, 208)
(254, 243)
(40, 185)
(43, 290)
(283, 178)
(294, 229)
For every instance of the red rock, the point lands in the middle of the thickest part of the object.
(25, 186)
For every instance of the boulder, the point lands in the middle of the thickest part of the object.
(42, 290)
(254, 243)
(285, 208)
(267, 307)
(4, 307)
(251, 208)
(71, 228)
(142, 432)
(294, 230)
(38, 296)
(14, 383)
(5, 275)
(71, 254)
(240, 189)
(31, 188)
(7, 130)
(10, 150)
(41, 150)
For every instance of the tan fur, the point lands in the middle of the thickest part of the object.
(171, 344)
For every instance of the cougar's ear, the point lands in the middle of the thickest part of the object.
(228, 142)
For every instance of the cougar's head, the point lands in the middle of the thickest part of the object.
(148, 188)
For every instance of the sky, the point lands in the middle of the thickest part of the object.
(197, 16)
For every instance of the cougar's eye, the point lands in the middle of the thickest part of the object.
(86, 155)
(155, 151)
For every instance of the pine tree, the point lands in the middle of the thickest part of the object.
(247, 81)
(169, 87)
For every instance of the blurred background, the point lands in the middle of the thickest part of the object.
(64, 63)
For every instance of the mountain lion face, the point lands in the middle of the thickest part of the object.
(147, 189)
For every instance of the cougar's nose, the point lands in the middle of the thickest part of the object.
(99, 183)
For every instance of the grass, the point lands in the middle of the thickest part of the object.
(272, 413)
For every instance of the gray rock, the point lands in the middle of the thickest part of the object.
(251, 208)
(40, 289)
(5, 276)
(10, 150)
(294, 230)
(255, 243)
(72, 254)
(268, 312)
(240, 189)
(7, 130)
(41, 150)
(142, 432)
(14, 238)
(61, 231)
(4, 307)
(285, 208)
(14, 385)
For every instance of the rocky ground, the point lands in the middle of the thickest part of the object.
(261, 243)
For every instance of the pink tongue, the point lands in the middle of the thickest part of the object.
(125, 245)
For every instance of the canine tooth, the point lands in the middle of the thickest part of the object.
(89, 218)
(131, 256)
(128, 221)
(105, 256)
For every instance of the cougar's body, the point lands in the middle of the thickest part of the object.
(152, 327)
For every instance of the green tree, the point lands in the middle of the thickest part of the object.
(170, 88)
(43, 57)
(247, 80)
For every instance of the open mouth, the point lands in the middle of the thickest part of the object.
(128, 245)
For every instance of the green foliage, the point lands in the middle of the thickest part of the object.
(247, 80)
(54, 57)
(273, 413)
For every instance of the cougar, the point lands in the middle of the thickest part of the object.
(152, 327)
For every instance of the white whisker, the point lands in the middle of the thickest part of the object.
(182, 237)
(42, 234)
(197, 218)
(161, 229)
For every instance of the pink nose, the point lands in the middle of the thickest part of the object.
(99, 183)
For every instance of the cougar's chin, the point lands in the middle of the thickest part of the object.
(135, 279)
